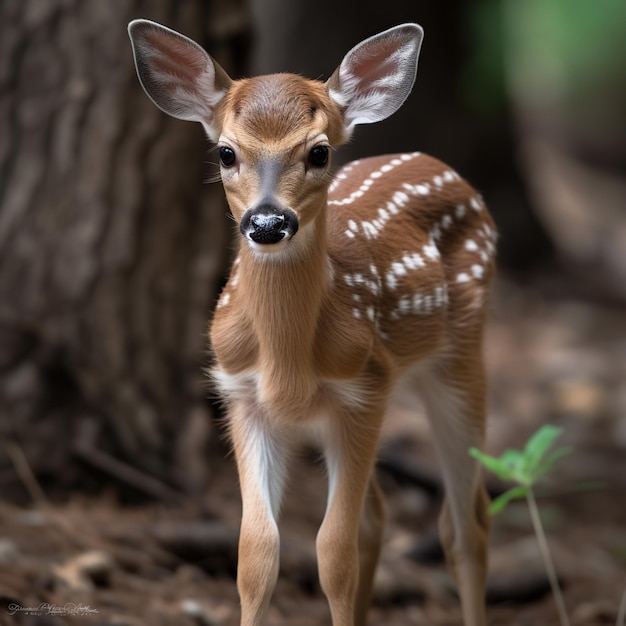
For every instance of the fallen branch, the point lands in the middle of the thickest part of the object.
(85, 449)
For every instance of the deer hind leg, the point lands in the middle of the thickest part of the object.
(349, 527)
(261, 454)
(454, 392)
(370, 543)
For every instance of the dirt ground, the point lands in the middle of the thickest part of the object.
(94, 561)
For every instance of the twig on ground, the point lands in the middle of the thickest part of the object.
(25, 473)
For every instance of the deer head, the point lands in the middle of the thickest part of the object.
(275, 134)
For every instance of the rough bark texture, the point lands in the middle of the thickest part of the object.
(111, 247)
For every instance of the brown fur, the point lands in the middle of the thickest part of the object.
(386, 275)
(291, 320)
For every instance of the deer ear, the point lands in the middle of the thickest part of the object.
(177, 74)
(377, 75)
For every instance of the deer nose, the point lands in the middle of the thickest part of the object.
(268, 224)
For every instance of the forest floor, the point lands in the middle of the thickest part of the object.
(93, 561)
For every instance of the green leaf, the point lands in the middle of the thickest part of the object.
(515, 463)
(503, 499)
(539, 444)
(553, 457)
(528, 465)
(491, 463)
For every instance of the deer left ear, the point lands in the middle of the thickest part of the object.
(177, 74)
(376, 76)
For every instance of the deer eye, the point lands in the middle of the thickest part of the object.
(227, 156)
(318, 157)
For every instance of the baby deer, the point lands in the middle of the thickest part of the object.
(342, 285)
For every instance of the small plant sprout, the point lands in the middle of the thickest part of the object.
(526, 467)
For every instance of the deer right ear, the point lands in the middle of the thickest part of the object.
(376, 76)
(177, 74)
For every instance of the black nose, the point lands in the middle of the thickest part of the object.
(267, 228)
(268, 224)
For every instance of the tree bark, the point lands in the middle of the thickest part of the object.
(111, 247)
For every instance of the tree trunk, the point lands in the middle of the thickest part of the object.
(111, 247)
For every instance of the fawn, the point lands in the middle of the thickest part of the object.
(342, 285)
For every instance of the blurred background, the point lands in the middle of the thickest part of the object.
(113, 249)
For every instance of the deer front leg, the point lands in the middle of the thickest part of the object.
(350, 453)
(261, 455)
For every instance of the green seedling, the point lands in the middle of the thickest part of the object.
(525, 467)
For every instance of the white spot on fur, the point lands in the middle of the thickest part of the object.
(413, 261)
(475, 204)
(393, 209)
(463, 278)
(404, 305)
(418, 303)
(431, 250)
(421, 303)
(371, 232)
(398, 269)
(477, 271)
(441, 295)
(417, 190)
(446, 221)
(224, 300)
(400, 198)
(471, 245)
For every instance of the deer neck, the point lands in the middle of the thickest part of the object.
(284, 293)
